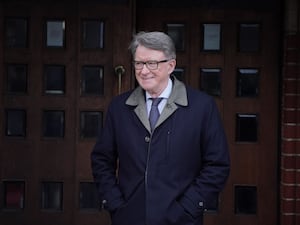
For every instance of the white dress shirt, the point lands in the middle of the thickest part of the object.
(165, 95)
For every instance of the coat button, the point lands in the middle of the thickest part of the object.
(201, 204)
(103, 203)
(147, 139)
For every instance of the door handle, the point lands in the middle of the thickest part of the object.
(119, 71)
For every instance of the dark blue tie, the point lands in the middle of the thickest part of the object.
(154, 112)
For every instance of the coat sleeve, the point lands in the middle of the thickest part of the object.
(104, 166)
(215, 161)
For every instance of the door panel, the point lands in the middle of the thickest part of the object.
(117, 35)
(34, 158)
(250, 196)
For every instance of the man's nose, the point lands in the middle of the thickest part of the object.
(145, 69)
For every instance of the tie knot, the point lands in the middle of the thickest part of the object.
(156, 101)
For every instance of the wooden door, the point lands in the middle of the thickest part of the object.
(233, 55)
(79, 43)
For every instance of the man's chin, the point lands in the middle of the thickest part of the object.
(147, 85)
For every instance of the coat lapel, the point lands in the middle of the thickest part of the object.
(137, 98)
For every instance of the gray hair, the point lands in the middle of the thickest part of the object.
(154, 40)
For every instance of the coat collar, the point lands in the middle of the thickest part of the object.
(178, 97)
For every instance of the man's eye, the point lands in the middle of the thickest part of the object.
(151, 63)
(138, 63)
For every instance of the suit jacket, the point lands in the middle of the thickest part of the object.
(169, 176)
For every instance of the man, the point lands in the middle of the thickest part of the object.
(168, 174)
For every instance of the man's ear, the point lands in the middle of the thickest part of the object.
(172, 65)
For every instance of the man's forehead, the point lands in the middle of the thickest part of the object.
(144, 52)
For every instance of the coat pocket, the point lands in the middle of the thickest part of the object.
(178, 216)
(133, 212)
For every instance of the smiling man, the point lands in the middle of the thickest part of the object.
(166, 170)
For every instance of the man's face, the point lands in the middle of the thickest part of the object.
(153, 80)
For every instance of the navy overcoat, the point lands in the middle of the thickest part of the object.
(169, 176)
